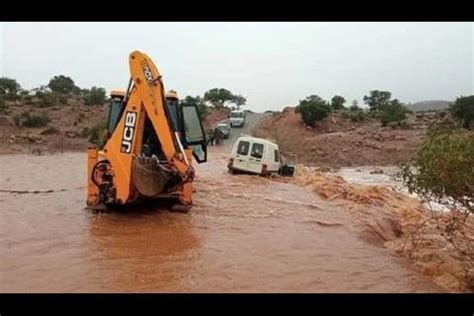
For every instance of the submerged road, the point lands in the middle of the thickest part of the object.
(244, 234)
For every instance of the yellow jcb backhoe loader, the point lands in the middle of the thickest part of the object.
(151, 142)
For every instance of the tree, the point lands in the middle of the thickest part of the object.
(463, 110)
(198, 102)
(94, 96)
(442, 171)
(239, 100)
(393, 111)
(218, 97)
(337, 102)
(63, 84)
(355, 103)
(377, 100)
(9, 88)
(355, 108)
(313, 109)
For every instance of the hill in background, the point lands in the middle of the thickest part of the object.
(432, 105)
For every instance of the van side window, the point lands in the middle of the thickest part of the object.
(277, 156)
(243, 148)
(257, 150)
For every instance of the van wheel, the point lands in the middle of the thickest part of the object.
(232, 171)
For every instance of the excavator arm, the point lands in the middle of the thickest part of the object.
(144, 156)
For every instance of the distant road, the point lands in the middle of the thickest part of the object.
(250, 121)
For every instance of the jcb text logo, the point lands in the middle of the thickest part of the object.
(128, 131)
(147, 72)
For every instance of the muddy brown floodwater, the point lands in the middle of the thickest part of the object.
(244, 234)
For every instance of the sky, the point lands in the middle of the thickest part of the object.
(272, 64)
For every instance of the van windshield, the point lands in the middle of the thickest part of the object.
(236, 114)
(257, 150)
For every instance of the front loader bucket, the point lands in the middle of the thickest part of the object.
(149, 176)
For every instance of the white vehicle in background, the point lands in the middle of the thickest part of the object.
(237, 118)
(254, 155)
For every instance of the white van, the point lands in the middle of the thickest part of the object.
(237, 118)
(254, 155)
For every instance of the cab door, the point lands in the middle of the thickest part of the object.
(257, 157)
(241, 155)
(194, 132)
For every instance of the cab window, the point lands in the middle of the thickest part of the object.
(257, 150)
(277, 156)
(243, 148)
(192, 125)
(236, 114)
(114, 114)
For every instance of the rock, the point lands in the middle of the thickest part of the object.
(392, 125)
(71, 134)
(376, 171)
(322, 169)
(37, 152)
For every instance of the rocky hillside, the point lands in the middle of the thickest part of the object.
(36, 127)
(340, 142)
(435, 105)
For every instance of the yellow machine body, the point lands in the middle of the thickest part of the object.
(125, 170)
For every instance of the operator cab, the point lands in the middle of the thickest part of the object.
(183, 118)
(115, 110)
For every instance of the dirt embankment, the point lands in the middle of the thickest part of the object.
(340, 142)
(214, 116)
(393, 220)
(68, 128)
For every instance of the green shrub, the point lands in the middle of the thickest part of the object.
(62, 98)
(358, 116)
(3, 107)
(94, 96)
(63, 85)
(463, 110)
(96, 134)
(443, 168)
(393, 112)
(355, 115)
(27, 98)
(337, 103)
(443, 171)
(26, 119)
(85, 132)
(313, 109)
(9, 89)
(355, 108)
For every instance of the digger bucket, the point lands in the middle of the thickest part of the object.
(150, 176)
